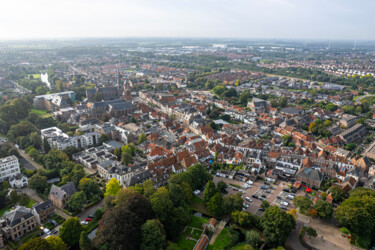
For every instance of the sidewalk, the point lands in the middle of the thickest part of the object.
(218, 231)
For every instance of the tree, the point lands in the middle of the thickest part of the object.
(209, 190)
(103, 138)
(35, 244)
(176, 194)
(222, 186)
(90, 187)
(161, 203)
(98, 97)
(312, 126)
(215, 204)
(46, 146)
(14, 196)
(337, 193)
(153, 235)
(244, 219)
(253, 238)
(126, 158)
(232, 203)
(70, 231)
(277, 225)
(188, 191)
(77, 201)
(148, 188)
(117, 152)
(357, 214)
(303, 203)
(24, 200)
(265, 204)
(56, 243)
(120, 226)
(78, 174)
(85, 242)
(112, 187)
(293, 212)
(38, 183)
(142, 138)
(311, 231)
(324, 209)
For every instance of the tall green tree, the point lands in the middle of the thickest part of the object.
(303, 203)
(209, 191)
(215, 204)
(112, 187)
(56, 243)
(70, 231)
(38, 183)
(324, 209)
(337, 193)
(277, 226)
(85, 242)
(161, 203)
(153, 235)
(77, 201)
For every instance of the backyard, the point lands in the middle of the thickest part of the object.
(191, 233)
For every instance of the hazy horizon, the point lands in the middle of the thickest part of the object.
(223, 19)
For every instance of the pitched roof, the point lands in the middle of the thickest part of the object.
(15, 217)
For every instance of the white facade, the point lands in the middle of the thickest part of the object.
(57, 139)
(9, 167)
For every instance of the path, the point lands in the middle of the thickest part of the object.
(292, 240)
(358, 100)
(32, 194)
(218, 231)
(29, 159)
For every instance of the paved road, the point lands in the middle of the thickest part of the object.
(29, 159)
(292, 240)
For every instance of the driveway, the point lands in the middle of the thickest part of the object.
(292, 240)
(32, 194)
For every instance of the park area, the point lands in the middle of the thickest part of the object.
(191, 233)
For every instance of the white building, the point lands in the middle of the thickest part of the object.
(57, 139)
(9, 167)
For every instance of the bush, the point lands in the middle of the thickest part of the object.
(344, 230)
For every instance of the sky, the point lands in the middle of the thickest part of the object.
(286, 19)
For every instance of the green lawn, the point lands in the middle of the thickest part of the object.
(197, 222)
(35, 76)
(198, 205)
(30, 204)
(39, 111)
(356, 97)
(197, 234)
(242, 246)
(222, 241)
(184, 244)
(370, 100)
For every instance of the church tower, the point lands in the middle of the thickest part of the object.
(127, 91)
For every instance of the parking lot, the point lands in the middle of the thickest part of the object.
(269, 192)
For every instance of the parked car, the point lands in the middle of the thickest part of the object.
(263, 187)
(55, 231)
(286, 190)
(248, 199)
(242, 191)
(284, 203)
(88, 219)
(272, 187)
(263, 195)
(250, 182)
(47, 231)
(84, 222)
(91, 216)
(262, 199)
(261, 209)
(246, 205)
(268, 191)
(255, 196)
(196, 192)
(279, 197)
(290, 197)
(284, 208)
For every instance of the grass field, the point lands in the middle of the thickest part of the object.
(35, 76)
(356, 97)
(370, 100)
(39, 111)
(222, 241)
(196, 223)
(198, 205)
